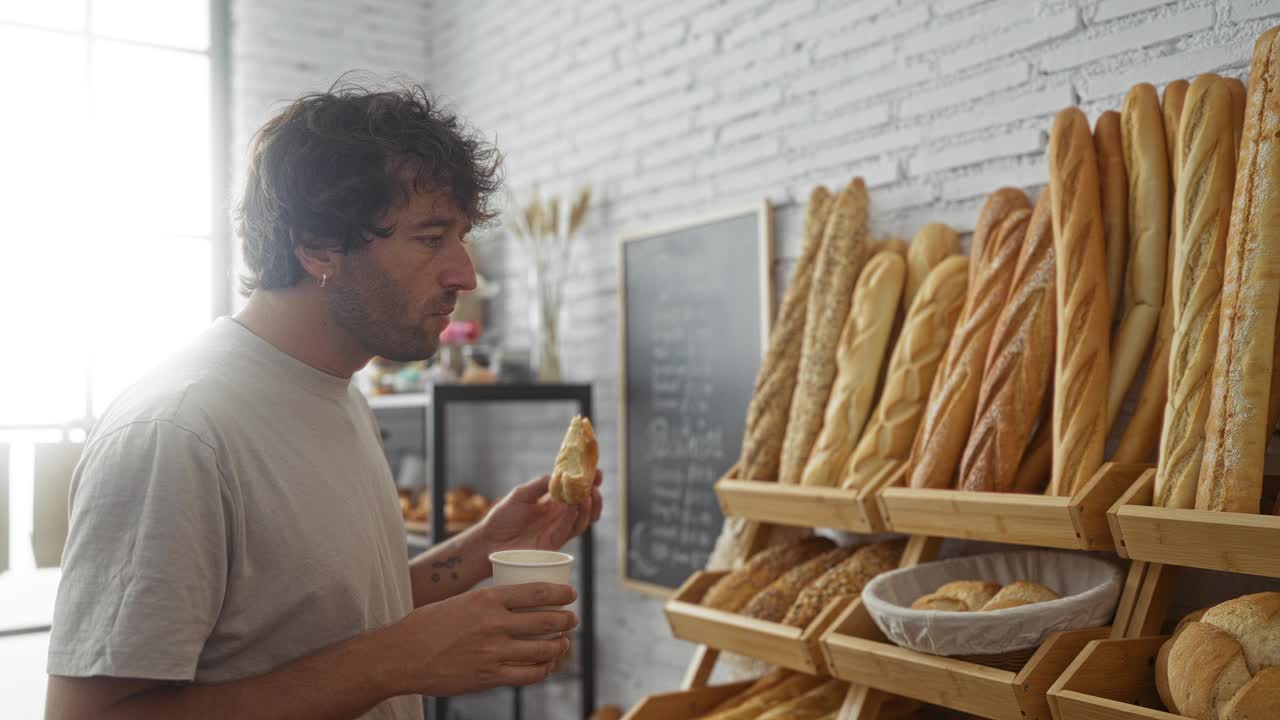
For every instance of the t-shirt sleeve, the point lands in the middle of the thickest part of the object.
(145, 565)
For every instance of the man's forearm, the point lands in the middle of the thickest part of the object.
(338, 683)
(452, 567)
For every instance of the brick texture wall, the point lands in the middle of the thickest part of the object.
(673, 108)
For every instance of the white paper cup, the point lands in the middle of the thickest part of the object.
(517, 567)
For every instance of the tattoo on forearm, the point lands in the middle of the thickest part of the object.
(450, 564)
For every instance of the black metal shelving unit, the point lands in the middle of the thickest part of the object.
(436, 403)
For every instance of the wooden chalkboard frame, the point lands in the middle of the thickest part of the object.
(765, 256)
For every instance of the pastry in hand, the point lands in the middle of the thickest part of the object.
(575, 469)
(1017, 594)
(958, 596)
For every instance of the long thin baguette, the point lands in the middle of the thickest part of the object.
(997, 207)
(1114, 187)
(1203, 212)
(1236, 432)
(765, 682)
(1019, 364)
(934, 243)
(948, 416)
(844, 252)
(1084, 319)
(1149, 201)
(792, 687)
(886, 441)
(863, 347)
(812, 705)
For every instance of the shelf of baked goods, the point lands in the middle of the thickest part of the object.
(1219, 663)
(776, 607)
(1009, 685)
(463, 508)
(1210, 539)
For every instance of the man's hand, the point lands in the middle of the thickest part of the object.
(528, 519)
(480, 640)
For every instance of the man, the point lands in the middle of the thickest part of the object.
(235, 548)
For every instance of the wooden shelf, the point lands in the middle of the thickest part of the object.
(856, 651)
(1234, 542)
(1111, 680)
(683, 705)
(852, 510)
(1072, 523)
(792, 647)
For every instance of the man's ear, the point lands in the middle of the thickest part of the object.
(317, 261)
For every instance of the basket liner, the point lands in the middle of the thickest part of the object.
(1090, 588)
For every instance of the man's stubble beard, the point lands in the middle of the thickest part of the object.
(374, 314)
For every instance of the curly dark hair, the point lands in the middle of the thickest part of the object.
(333, 162)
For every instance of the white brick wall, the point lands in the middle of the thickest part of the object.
(717, 102)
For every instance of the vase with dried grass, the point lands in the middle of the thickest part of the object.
(546, 235)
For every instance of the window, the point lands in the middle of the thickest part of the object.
(111, 242)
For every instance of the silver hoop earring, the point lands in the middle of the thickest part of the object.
(324, 278)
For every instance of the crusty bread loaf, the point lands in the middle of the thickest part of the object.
(734, 590)
(844, 580)
(1018, 369)
(997, 207)
(1210, 665)
(1254, 621)
(824, 699)
(1239, 98)
(794, 686)
(1171, 106)
(1236, 430)
(574, 474)
(934, 243)
(948, 415)
(864, 344)
(958, 596)
(844, 252)
(1084, 319)
(1114, 188)
(1147, 164)
(1162, 660)
(1019, 593)
(1206, 669)
(776, 382)
(1202, 213)
(773, 602)
(768, 681)
(886, 440)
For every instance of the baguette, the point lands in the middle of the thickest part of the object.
(1141, 437)
(794, 686)
(863, 346)
(1203, 211)
(948, 416)
(844, 252)
(934, 243)
(1149, 202)
(1082, 357)
(765, 682)
(886, 441)
(824, 699)
(1239, 96)
(773, 602)
(997, 207)
(1114, 187)
(844, 580)
(1236, 431)
(1018, 368)
(731, 592)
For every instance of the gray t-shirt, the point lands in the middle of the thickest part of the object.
(232, 512)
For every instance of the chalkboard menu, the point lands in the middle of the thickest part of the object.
(696, 302)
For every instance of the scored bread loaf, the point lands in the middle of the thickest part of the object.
(1114, 188)
(1018, 374)
(886, 440)
(1175, 93)
(948, 415)
(1236, 432)
(776, 382)
(1084, 320)
(958, 596)
(813, 705)
(734, 590)
(997, 207)
(934, 243)
(1150, 199)
(1202, 213)
(1019, 593)
(864, 344)
(844, 252)
(793, 686)
(844, 580)
(773, 602)
(1239, 98)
